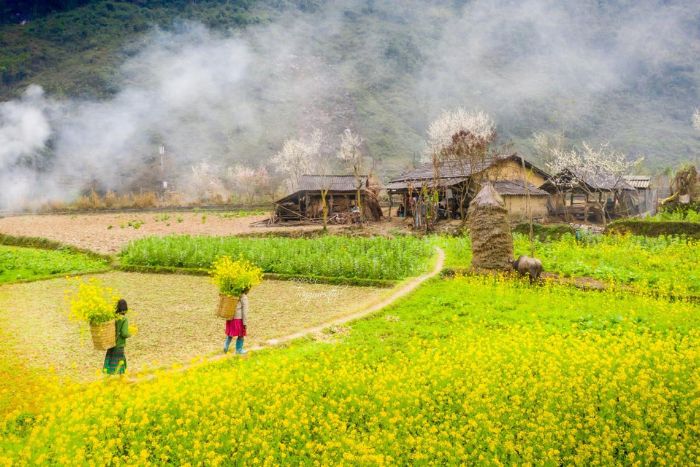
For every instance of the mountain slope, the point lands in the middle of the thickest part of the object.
(624, 72)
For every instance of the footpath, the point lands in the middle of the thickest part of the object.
(398, 293)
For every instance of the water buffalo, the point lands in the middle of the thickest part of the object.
(526, 265)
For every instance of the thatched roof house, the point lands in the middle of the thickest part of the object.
(305, 203)
(511, 180)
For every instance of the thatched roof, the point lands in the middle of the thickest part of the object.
(332, 183)
(452, 170)
(487, 197)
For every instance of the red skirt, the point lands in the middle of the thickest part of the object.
(235, 328)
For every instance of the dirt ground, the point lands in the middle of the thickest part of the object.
(109, 232)
(174, 315)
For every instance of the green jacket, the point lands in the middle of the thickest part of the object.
(122, 326)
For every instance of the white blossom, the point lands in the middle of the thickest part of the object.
(297, 157)
(350, 151)
(590, 164)
(478, 126)
(696, 119)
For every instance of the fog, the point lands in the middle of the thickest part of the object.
(385, 69)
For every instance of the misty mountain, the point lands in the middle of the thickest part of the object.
(226, 82)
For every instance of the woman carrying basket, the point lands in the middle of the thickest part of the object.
(236, 327)
(115, 360)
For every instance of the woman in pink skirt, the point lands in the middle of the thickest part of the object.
(236, 327)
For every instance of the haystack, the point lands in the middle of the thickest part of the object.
(492, 242)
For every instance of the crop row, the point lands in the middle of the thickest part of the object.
(371, 258)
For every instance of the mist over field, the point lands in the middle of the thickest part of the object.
(624, 72)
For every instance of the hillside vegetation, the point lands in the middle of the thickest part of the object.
(382, 53)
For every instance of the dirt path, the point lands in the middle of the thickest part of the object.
(398, 293)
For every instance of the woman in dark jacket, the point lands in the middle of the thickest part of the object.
(115, 360)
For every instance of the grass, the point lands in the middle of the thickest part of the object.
(351, 257)
(174, 314)
(674, 216)
(644, 263)
(22, 264)
(470, 370)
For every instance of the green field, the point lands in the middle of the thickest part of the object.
(19, 263)
(666, 265)
(473, 370)
(351, 257)
(644, 263)
(677, 216)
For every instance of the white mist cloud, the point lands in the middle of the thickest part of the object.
(554, 62)
(204, 95)
(383, 67)
(24, 126)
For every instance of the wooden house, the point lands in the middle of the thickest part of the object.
(514, 178)
(587, 198)
(305, 204)
(645, 198)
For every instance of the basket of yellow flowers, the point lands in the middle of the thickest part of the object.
(233, 278)
(94, 304)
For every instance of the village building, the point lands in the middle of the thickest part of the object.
(645, 198)
(589, 198)
(515, 179)
(305, 204)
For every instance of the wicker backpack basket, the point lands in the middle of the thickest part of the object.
(104, 335)
(227, 306)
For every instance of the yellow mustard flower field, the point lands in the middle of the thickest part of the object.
(465, 370)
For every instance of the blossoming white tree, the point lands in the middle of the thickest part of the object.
(588, 169)
(462, 138)
(297, 156)
(696, 119)
(350, 153)
(477, 129)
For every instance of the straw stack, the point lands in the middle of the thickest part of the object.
(492, 241)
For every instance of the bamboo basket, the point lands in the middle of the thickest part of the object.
(104, 335)
(227, 306)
